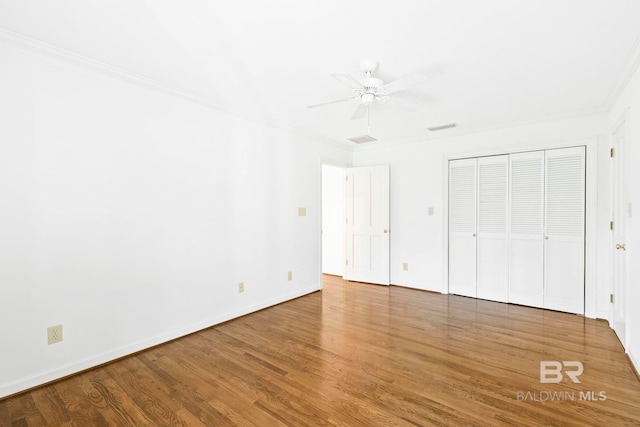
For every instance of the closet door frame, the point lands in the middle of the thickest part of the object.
(592, 294)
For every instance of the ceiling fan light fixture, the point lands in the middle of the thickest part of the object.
(367, 99)
(367, 90)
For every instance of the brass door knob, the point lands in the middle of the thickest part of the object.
(621, 246)
(386, 231)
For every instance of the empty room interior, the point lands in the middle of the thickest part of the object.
(344, 213)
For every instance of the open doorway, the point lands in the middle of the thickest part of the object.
(333, 220)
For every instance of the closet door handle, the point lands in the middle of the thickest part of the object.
(621, 246)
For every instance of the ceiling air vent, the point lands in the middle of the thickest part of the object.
(443, 127)
(362, 139)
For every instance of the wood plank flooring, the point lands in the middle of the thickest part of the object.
(356, 355)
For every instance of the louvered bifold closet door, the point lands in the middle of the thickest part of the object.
(564, 234)
(526, 228)
(492, 242)
(462, 227)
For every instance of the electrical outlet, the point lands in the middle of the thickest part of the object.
(405, 266)
(54, 334)
(290, 275)
(241, 287)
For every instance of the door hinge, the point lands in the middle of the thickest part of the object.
(611, 225)
(346, 220)
(612, 152)
(611, 298)
(346, 261)
(346, 178)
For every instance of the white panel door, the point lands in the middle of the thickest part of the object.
(620, 206)
(462, 227)
(367, 229)
(564, 234)
(526, 219)
(492, 243)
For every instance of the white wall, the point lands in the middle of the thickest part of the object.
(129, 216)
(418, 181)
(629, 103)
(333, 215)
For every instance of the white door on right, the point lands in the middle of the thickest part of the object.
(620, 212)
(564, 229)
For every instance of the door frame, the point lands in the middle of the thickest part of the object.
(591, 235)
(322, 162)
(326, 162)
(620, 124)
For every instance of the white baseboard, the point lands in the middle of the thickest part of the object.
(635, 361)
(27, 383)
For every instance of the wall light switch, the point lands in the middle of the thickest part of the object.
(290, 275)
(405, 266)
(302, 211)
(430, 211)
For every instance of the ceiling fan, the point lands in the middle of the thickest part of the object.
(371, 89)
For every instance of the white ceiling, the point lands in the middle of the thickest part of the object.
(490, 62)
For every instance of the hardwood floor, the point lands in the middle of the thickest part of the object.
(356, 355)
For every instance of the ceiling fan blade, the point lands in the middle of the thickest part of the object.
(404, 83)
(348, 80)
(359, 112)
(405, 104)
(349, 98)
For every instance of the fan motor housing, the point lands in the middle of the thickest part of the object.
(371, 82)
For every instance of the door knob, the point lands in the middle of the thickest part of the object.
(546, 237)
(621, 246)
(386, 231)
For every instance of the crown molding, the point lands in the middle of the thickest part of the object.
(625, 74)
(87, 62)
(106, 68)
